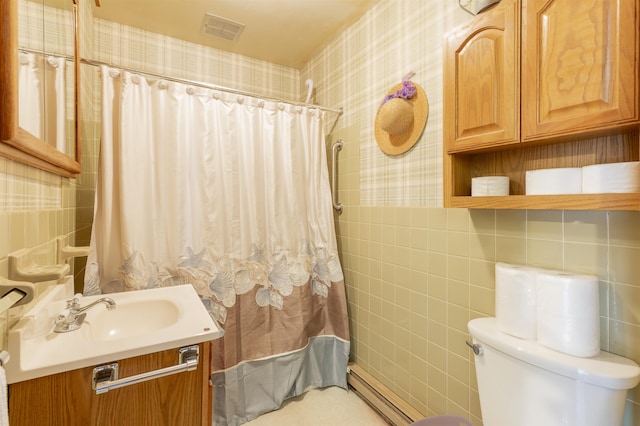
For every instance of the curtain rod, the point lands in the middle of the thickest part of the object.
(94, 63)
(210, 86)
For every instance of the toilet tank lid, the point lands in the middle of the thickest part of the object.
(605, 369)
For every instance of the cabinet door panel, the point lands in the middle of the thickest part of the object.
(578, 66)
(481, 80)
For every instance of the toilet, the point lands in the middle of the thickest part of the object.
(523, 383)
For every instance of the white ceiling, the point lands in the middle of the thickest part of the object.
(284, 32)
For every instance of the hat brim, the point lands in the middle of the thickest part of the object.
(401, 143)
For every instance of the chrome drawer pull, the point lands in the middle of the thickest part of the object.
(105, 377)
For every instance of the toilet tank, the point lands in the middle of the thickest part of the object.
(523, 383)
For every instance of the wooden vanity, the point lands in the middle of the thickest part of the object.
(67, 399)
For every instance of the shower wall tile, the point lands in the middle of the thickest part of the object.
(457, 319)
(586, 226)
(482, 301)
(458, 397)
(482, 273)
(458, 269)
(437, 267)
(482, 246)
(437, 219)
(511, 223)
(482, 222)
(586, 258)
(545, 253)
(620, 306)
(458, 294)
(624, 265)
(624, 229)
(511, 249)
(436, 397)
(419, 218)
(624, 339)
(418, 238)
(544, 225)
(458, 243)
(458, 220)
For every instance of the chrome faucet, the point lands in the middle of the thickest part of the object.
(73, 320)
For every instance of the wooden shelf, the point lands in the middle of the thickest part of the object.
(515, 162)
(551, 202)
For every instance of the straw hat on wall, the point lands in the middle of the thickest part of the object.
(401, 117)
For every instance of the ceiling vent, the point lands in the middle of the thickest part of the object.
(220, 27)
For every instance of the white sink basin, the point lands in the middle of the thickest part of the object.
(149, 316)
(142, 322)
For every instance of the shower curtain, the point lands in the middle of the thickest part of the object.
(42, 97)
(229, 193)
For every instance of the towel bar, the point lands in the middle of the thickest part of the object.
(105, 377)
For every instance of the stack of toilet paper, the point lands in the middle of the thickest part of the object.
(558, 309)
(611, 178)
(516, 298)
(595, 179)
(566, 180)
(488, 186)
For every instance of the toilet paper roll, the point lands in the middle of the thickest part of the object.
(568, 313)
(516, 300)
(490, 186)
(566, 180)
(611, 178)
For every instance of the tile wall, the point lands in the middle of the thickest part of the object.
(417, 273)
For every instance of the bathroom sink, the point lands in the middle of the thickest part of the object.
(142, 322)
(148, 316)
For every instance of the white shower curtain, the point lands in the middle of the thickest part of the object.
(229, 193)
(42, 97)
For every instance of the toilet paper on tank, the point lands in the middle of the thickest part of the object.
(490, 186)
(566, 180)
(516, 300)
(568, 312)
(611, 178)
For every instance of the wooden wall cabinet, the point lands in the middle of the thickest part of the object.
(67, 399)
(533, 84)
(579, 66)
(482, 80)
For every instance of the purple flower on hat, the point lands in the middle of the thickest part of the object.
(407, 91)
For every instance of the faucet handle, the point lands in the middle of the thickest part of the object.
(74, 303)
(61, 318)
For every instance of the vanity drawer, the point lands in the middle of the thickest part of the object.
(67, 398)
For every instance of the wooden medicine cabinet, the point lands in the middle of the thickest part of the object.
(532, 84)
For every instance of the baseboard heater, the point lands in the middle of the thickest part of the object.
(389, 405)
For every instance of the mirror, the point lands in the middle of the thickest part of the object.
(16, 142)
